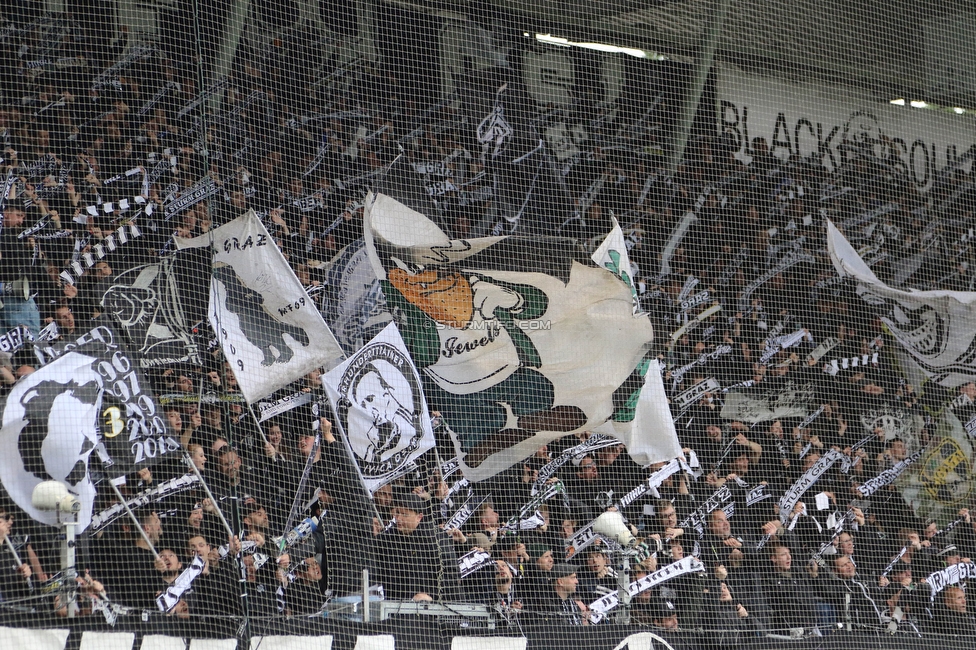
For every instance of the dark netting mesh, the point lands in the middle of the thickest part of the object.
(529, 324)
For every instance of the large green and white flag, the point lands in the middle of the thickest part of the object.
(519, 341)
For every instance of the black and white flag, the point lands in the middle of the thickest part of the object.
(49, 431)
(355, 307)
(381, 409)
(149, 304)
(494, 132)
(91, 398)
(934, 327)
(270, 331)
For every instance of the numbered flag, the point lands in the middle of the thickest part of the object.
(92, 398)
(269, 329)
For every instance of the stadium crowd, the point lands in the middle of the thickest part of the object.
(87, 127)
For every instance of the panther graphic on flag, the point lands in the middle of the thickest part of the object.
(258, 326)
(43, 456)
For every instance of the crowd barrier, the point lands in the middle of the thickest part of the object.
(418, 633)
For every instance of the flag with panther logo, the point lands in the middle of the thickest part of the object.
(92, 399)
(269, 329)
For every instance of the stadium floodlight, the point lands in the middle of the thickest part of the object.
(53, 496)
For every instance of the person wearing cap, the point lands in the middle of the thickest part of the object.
(900, 589)
(665, 616)
(559, 599)
(542, 559)
(538, 572)
(951, 555)
(723, 610)
(416, 560)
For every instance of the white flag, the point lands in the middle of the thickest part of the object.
(49, 431)
(937, 328)
(519, 342)
(650, 437)
(612, 255)
(269, 329)
(380, 408)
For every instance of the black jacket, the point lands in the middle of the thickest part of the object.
(786, 601)
(422, 562)
(856, 601)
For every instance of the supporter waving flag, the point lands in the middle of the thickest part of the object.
(516, 348)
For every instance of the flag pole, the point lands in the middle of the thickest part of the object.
(186, 456)
(206, 488)
(301, 483)
(134, 519)
(17, 559)
(352, 459)
(261, 430)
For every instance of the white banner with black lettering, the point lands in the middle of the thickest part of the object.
(888, 476)
(269, 410)
(685, 565)
(811, 476)
(816, 120)
(790, 402)
(950, 575)
(269, 329)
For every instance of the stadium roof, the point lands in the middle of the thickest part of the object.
(920, 49)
